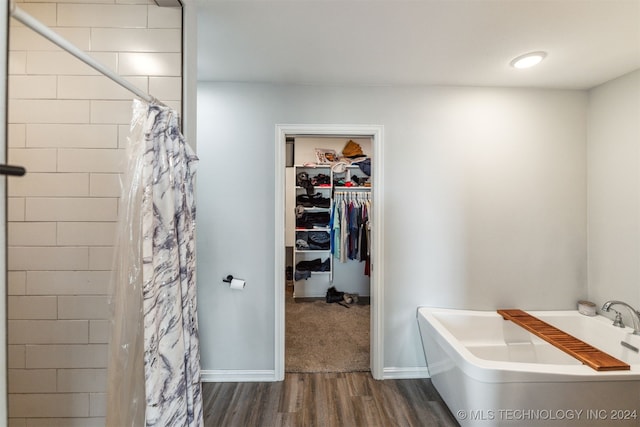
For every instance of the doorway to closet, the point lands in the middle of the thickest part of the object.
(327, 238)
(307, 152)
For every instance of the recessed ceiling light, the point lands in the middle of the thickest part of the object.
(528, 59)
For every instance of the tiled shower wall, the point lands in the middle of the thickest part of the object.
(68, 126)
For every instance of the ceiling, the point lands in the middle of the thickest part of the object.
(427, 42)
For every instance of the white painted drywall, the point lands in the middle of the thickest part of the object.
(614, 190)
(484, 204)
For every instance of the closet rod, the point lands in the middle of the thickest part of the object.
(52, 36)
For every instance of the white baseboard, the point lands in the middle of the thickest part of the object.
(405, 373)
(237, 376)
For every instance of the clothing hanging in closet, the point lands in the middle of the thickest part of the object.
(350, 227)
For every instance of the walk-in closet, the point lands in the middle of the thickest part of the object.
(328, 243)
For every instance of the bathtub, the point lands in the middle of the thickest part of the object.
(491, 372)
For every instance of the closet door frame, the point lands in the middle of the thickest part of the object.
(376, 133)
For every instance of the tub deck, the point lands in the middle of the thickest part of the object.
(585, 353)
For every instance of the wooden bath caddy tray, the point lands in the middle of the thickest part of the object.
(587, 354)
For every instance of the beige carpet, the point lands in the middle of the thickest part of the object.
(323, 337)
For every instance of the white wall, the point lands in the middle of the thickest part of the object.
(484, 204)
(614, 190)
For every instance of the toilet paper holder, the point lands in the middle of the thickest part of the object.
(236, 284)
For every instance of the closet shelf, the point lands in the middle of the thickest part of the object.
(316, 209)
(343, 188)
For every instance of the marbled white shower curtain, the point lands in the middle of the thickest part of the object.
(154, 363)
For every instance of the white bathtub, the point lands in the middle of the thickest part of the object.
(491, 372)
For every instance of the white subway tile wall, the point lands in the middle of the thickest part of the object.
(68, 125)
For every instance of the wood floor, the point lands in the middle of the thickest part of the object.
(351, 399)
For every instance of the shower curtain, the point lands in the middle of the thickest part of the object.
(154, 359)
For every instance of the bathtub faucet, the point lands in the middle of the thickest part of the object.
(635, 314)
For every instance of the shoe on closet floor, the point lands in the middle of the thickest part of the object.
(350, 298)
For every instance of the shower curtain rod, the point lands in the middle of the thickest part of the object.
(52, 36)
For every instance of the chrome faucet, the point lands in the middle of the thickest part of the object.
(635, 315)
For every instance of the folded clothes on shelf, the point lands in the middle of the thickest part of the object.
(310, 220)
(305, 268)
(312, 240)
(314, 200)
(314, 265)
